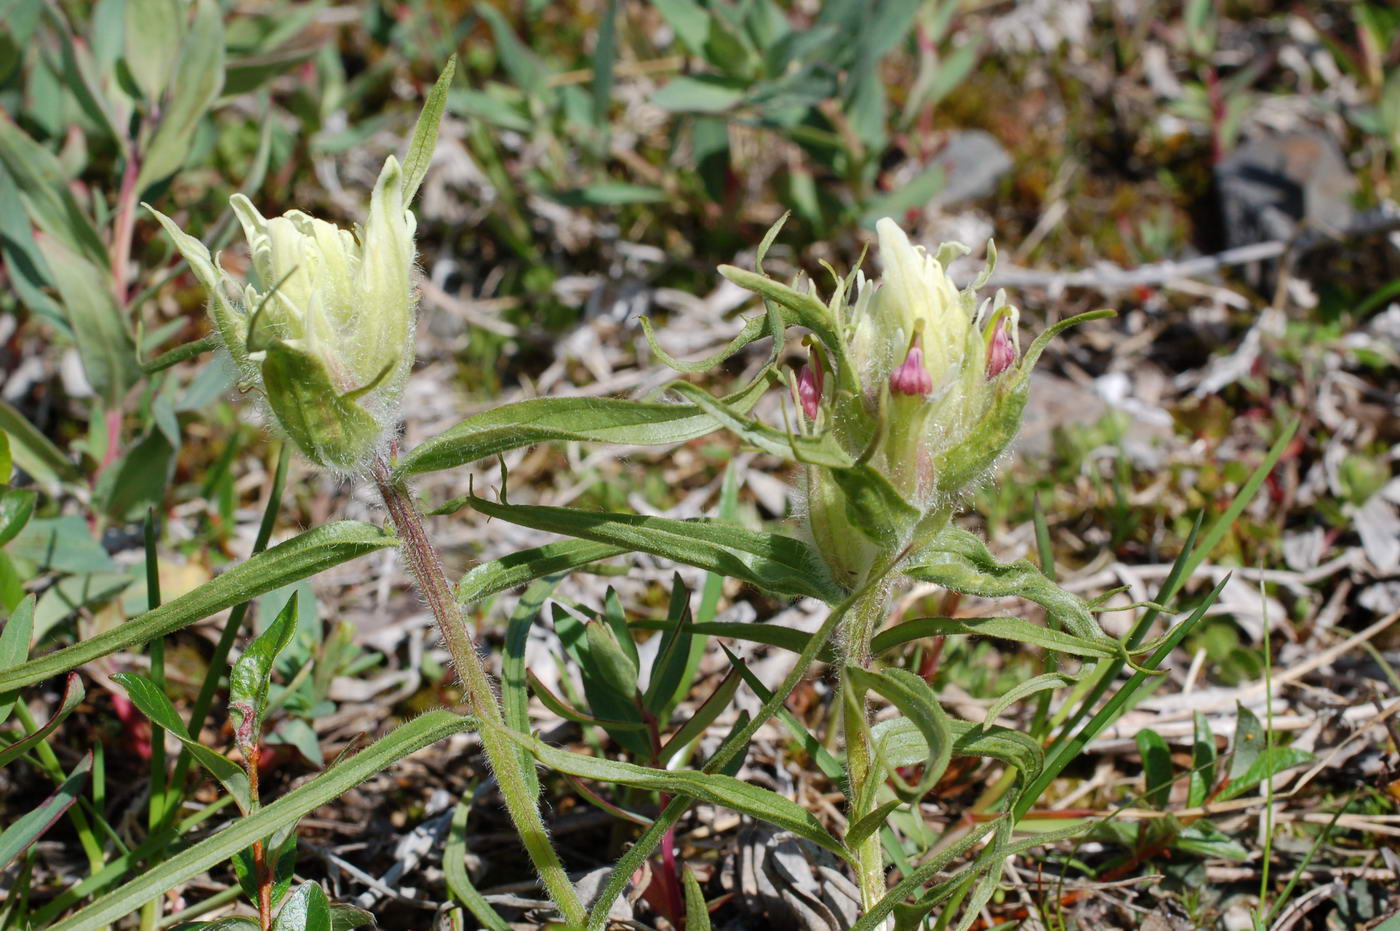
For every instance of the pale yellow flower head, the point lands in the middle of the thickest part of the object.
(327, 332)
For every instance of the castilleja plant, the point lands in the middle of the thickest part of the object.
(911, 391)
(325, 338)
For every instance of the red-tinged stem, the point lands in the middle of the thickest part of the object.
(426, 566)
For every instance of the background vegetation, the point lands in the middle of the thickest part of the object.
(1220, 174)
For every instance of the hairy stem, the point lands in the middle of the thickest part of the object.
(423, 562)
(865, 617)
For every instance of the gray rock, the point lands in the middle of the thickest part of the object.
(1275, 187)
(973, 162)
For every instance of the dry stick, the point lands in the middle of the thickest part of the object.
(426, 566)
(1113, 277)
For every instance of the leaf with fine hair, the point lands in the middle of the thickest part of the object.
(298, 558)
(585, 420)
(498, 575)
(425, 133)
(773, 562)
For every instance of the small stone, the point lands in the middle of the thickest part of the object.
(973, 162)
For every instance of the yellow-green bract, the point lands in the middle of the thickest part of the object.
(326, 334)
(932, 396)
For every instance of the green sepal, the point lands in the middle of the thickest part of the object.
(328, 429)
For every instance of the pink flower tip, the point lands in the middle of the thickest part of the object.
(1001, 352)
(911, 378)
(809, 390)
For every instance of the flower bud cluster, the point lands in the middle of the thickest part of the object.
(326, 333)
(934, 397)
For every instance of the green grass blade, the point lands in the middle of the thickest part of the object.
(430, 728)
(298, 558)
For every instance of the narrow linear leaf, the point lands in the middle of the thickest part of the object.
(425, 133)
(1003, 628)
(714, 788)
(454, 868)
(31, 826)
(298, 558)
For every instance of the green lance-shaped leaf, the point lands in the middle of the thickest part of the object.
(151, 699)
(199, 76)
(250, 677)
(43, 187)
(714, 788)
(298, 558)
(774, 563)
(306, 909)
(609, 662)
(425, 133)
(154, 29)
(104, 344)
(585, 420)
(180, 867)
(1002, 628)
(916, 699)
(960, 562)
(31, 826)
(15, 638)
